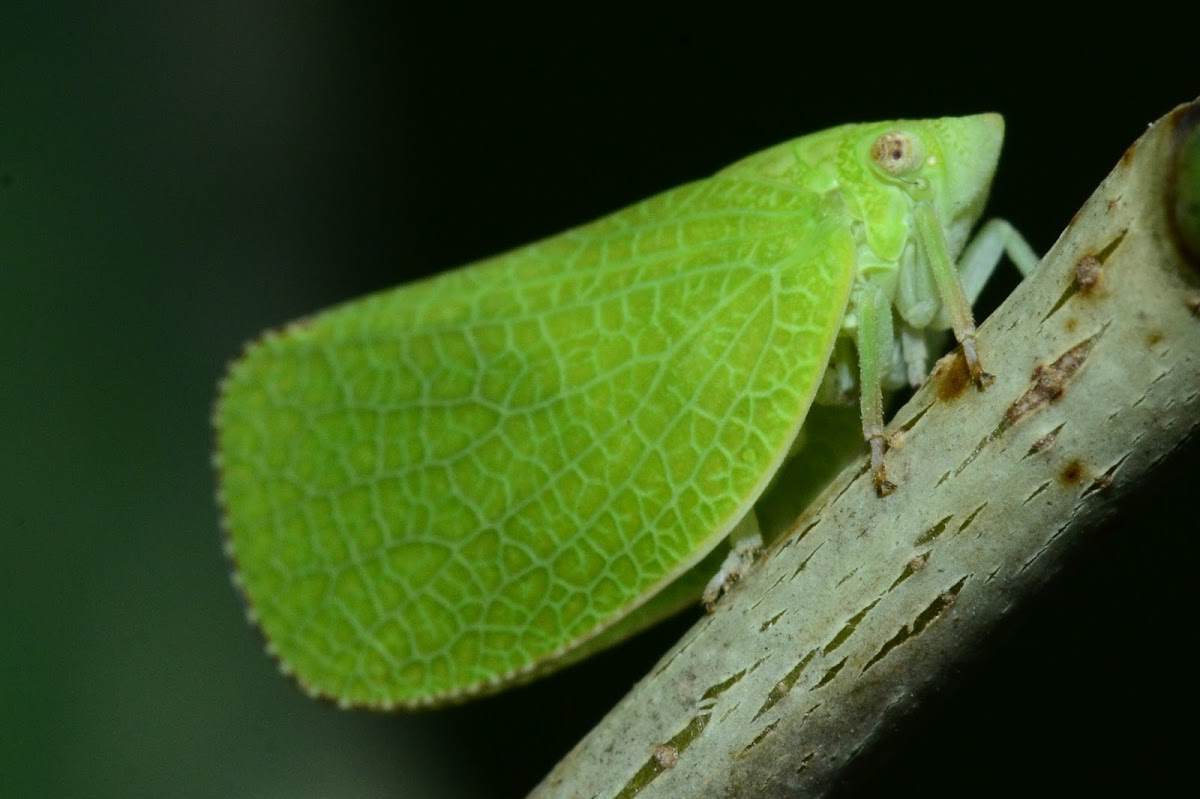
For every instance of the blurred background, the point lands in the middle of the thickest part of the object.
(176, 177)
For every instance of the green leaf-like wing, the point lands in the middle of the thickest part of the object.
(442, 488)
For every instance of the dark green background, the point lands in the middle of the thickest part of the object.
(176, 177)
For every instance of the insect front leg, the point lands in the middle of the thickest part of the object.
(979, 260)
(918, 300)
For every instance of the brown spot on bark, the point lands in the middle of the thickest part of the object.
(952, 376)
(1072, 473)
(1049, 382)
(1088, 274)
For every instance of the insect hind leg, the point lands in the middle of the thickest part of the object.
(745, 542)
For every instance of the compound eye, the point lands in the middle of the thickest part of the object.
(896, 153)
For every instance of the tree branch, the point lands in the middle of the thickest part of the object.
(868, 601)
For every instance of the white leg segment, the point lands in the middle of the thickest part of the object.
(995, 239)
(745, 542)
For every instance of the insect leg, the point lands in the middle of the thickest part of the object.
(978, 261)
(745, 542)
(875, 342)
(932, 240)
(980, 257)
(914, 352)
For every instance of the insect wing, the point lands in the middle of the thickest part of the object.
(437, 489)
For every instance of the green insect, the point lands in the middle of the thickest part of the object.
(460, 484)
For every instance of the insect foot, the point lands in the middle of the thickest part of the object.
(739, 560)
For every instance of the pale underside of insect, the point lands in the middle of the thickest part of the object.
(458, 484)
